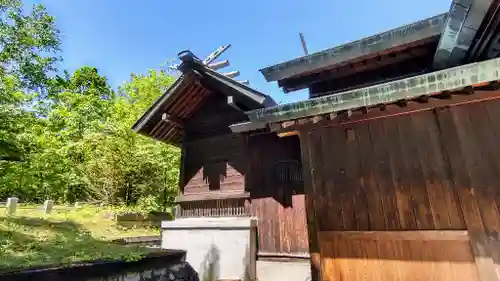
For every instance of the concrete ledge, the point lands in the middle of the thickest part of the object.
(217, 248)
(210, 223)
(289, 271)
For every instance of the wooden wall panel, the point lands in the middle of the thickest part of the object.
(213, 157)
(393, 175)
(278, 206)
(471, 141)
(397, 256)
(215, 175)
(309, 193)
(212, 119)
(429, 170)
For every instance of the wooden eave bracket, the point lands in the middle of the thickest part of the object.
(290, 128)
(231, 101)
(172, 119)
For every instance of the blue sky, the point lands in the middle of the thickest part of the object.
(123, 37)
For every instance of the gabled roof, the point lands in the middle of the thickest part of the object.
(165, 118)
(370, 46)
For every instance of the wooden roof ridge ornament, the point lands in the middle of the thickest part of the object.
(208, 61)
(215, 54)
(304, 45)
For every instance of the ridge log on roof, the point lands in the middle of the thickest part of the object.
(372, 46)
(165, 118)
(410, 88)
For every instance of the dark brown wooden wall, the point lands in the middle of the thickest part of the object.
(214, 164)
(216, 161)
(279, 206)
(435, 169)
(212, 119)
(213, 158)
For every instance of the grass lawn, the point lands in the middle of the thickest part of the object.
(30, 238)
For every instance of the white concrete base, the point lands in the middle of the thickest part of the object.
(284, 270)
(217, 248)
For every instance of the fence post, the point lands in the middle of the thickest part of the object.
(11, 205)
(47, 206)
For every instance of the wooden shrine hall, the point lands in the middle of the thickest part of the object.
(389, 171)
(227, 174)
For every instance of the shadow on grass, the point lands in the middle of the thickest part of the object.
(32, 242)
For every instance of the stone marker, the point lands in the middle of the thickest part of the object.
(47, 206)
(11, 205)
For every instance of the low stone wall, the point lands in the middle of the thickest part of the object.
(217, 248)
(143, 241)
(131, 220)
(163, 265)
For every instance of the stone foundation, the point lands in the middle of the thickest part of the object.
(217, 248)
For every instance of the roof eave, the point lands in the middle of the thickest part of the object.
(409, 88)
(462, 24)
(406, 34)
(154, 109)
(258, 98)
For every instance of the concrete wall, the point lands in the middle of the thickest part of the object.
(217, 248)
(284, 270)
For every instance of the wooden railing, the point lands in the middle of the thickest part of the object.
(213, 208)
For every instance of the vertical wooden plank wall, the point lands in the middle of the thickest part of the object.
(214, 164)
(431, 170)
(309, 192)
(471, 137)
(392, 175)
(213, 157)
(279, 207)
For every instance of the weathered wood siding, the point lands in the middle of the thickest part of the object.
(214, 164)
(430, 170)
(401, 256)
(212, 119)
(277, 195)
(213, 158)
(391, 174)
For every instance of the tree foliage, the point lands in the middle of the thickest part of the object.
(67, 136)
(28, 44)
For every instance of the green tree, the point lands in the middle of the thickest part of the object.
(123, 166)
(29, 42)
(68, 136)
